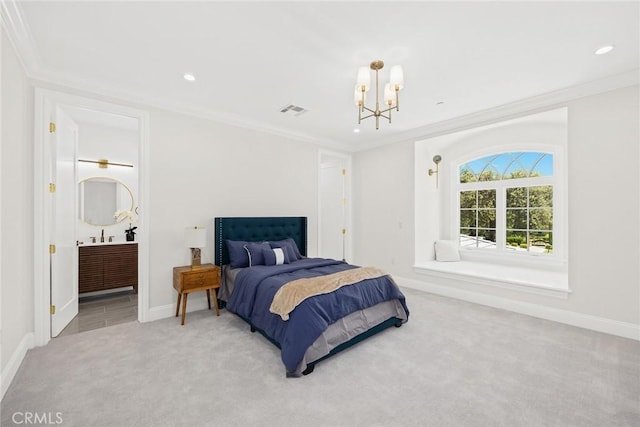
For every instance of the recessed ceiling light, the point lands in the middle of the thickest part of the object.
(604, 49)
(356, 130)
(189, 77)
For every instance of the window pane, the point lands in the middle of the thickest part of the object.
(541, 219)
(516, 170)
(517, 219)
(467, 238)
(467, 218)
(466, 174)
(517, 197)
(541, 196)
(487, 218)
(544, 167)
(486, 238)
(516, 240)
(489, 174)
(468, 231)
(467, 199)
(487, 198)
(541, 243)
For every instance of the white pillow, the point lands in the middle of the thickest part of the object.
(279, 253)
(447, 250)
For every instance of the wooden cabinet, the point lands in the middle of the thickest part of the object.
(189, 279)
(103, 267)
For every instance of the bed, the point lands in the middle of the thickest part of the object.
(351, 303)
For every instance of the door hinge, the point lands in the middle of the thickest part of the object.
(52, 249)
(344, 231)
(52, 127)
(344, 171)
(52, 187)
(53, 309)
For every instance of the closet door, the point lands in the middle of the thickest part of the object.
(334, 232)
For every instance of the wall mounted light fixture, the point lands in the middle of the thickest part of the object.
(104, 163)
(436, 159)
(391, 89)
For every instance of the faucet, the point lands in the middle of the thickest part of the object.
(102, 236)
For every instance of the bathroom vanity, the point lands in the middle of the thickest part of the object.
(107, 266)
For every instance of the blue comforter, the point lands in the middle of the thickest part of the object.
(255, 288)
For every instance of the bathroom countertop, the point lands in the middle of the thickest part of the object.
(115, 242)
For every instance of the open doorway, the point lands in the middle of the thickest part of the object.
(105, 168)
(89, 185)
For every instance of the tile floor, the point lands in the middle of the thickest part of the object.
(100, 311)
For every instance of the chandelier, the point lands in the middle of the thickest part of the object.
(391, 89)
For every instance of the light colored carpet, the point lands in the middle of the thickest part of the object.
(453, 364)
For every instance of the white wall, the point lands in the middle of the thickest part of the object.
(201, 169)
(603, 184)
(198, 170)
(17, 213)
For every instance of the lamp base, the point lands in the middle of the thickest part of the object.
(195, 258)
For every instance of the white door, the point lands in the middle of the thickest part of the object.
(333, 207)
(64, 211)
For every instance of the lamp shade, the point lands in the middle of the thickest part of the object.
(389, 94)
(195, 237)
(364, 78)
(397, 77)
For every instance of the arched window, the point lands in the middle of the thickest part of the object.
(505, 203)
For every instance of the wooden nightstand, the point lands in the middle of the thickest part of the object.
(187, 279)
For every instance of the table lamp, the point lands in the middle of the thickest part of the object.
(195, 238)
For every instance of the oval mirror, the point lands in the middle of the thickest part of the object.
(100, 197)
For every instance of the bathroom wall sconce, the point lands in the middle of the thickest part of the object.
(436, 159)
(195, 238)
(104, 163)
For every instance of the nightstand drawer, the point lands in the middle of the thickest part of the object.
(193, 280)
(189, 279)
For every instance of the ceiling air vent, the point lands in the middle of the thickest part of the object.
(295, 110)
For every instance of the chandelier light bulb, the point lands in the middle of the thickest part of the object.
(357, 95)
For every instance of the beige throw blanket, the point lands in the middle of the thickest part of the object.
(293, 293)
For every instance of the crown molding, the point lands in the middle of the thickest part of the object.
(512, 110)
(116, 95)
(19, 35)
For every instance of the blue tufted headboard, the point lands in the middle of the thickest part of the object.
(257, 229)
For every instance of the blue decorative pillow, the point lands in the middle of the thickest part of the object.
(254, 252)
(275, 256)
(238, 256)
(295, 248)
(290, 247)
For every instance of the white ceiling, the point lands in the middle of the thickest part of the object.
(252, 58)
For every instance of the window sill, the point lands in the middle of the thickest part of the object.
(525, 279)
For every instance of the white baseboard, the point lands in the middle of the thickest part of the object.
(163, 311)
(11, 369)
(587, 321)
